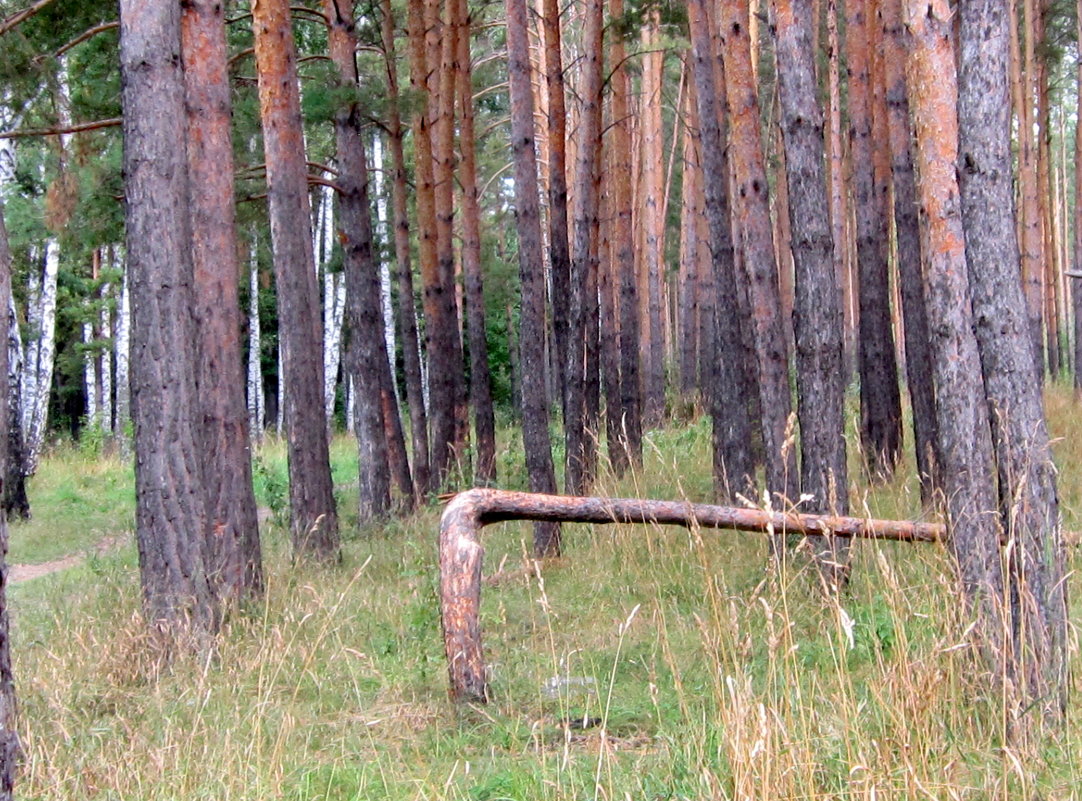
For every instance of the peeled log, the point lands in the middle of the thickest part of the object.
(470, 511)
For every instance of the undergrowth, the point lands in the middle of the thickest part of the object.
(646, 663)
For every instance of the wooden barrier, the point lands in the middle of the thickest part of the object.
(470, 511)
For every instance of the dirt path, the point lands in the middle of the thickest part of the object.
(20, 573)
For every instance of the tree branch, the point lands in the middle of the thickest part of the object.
(24, 133)
(19, 16)
(82, 37)
(468, 512)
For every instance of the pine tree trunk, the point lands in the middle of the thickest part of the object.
(880, 399)
(313, 519)
(581, 452)
(757, 245)
(839, 208)
(235, 561)
(652, 223)
(407, 310)
(1028, 500)
(535, 434)
(724, 380)
(965, 443)
(480, 376)
(1031, 243)
(9, 738)
(366, 341)
(688, 286)
(817, 300)
(907, 231)
(564, 286)
(171, 517)
(608, 308)
(1076, 279)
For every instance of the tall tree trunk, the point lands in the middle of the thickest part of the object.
(9, 738)
(564, 286)
(839, 208)
(407, 310)
(690, 223)
(1043, 135)
(1076, 279)
(907, 232)
(15, 500)
(442, 113)
(817, 300)
(257, 413)
(313, 518)
(880, 399)
(1028, 500)
(122, 349)
(170, 516)
(440, 332)
(652, 223)
(724, 380)
(965, 443)
(535, 433)
(608, 308)
(366, 340)
(41, 353)
(581, 452)
(233, 552)
(480, 376)
(1031, 242)
(757, 245)
(623, 251)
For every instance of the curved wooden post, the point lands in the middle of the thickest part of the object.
(468, 512)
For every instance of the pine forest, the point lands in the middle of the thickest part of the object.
(750, 331)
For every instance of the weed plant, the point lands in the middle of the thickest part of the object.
(646, 663)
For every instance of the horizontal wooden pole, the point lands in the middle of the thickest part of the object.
(468, 512)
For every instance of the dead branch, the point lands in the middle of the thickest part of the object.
(19, 16)
(468, 512)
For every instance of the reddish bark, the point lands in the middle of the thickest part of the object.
(234, 558)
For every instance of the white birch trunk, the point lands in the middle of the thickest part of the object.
(280, 416)
(351, 405)
(122, 349)
(40, 354)
(384, 228)
(257, 412)
(334, 302)
(90, 379)
(106, 388)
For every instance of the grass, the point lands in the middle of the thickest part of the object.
(699, 674)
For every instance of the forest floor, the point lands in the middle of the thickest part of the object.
(646, 663)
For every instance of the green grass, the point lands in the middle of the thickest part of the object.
(711, 677)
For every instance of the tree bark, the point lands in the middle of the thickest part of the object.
(581, 453)
(690, 217)
(535, 433)
(484, 422)
(880, 399)
(235, 561)
(407, 310)
(1028, 501)
(624, 252)
(564, 286)
(725, 380)
(757, 246)
(965, 443)
(817, 301)
(171, 515)
(1076, 279)
(257, 415)
(907, 232)
(15, 500)
(652, 224)
(313, 518)
(9, 738)
(367, 353)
